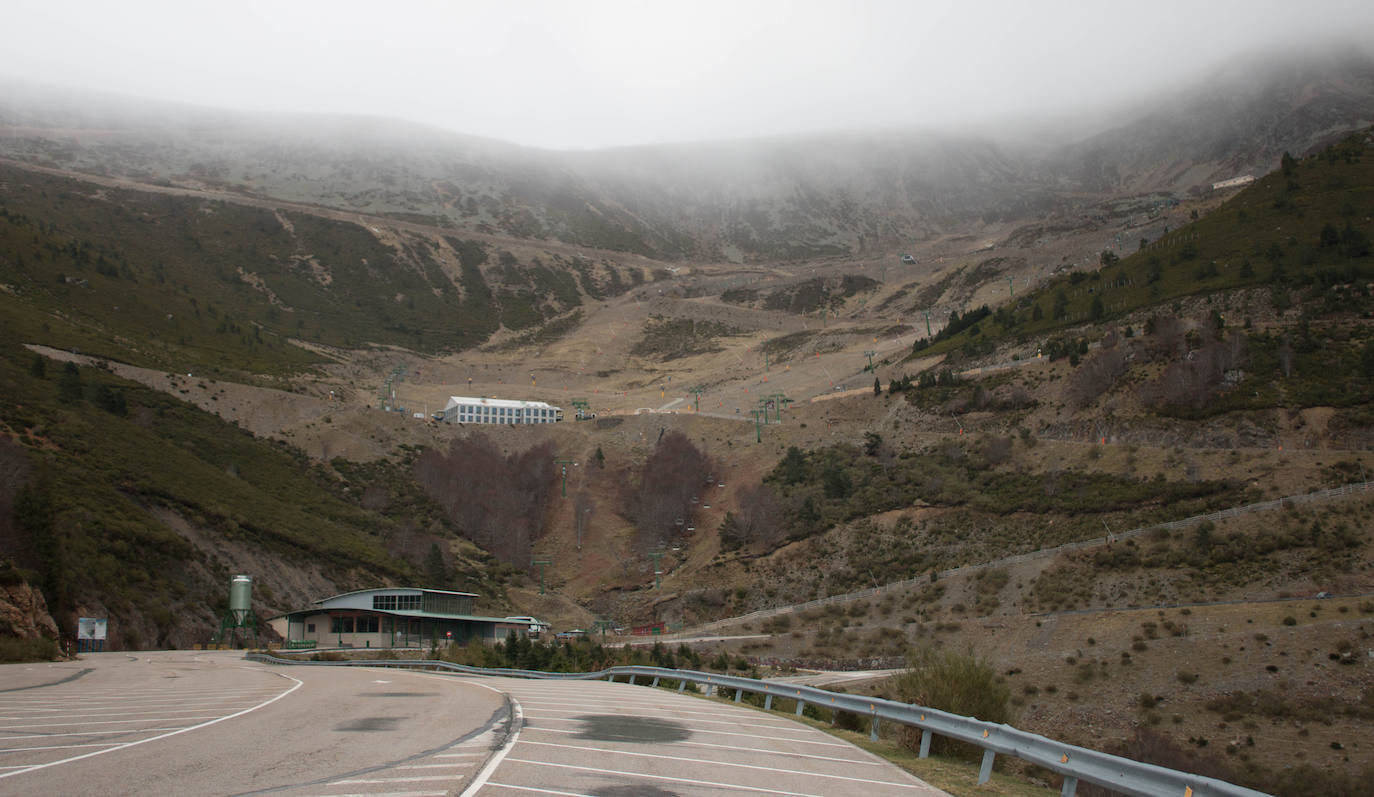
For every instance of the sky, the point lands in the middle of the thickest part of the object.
(587, 74)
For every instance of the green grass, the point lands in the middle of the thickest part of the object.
(107, 468)
(1270, 234)
(190, 284)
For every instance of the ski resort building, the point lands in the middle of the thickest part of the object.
(463, 409)
(395, 617)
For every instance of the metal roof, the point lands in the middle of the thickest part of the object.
(454, 401)
(396, 591)
(410, 614)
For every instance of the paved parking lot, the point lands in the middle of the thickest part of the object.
(617, 740)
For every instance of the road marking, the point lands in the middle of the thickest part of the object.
(722, 763)
(692, 781)
(740, 749)
(109, 711)
(297, 685)
(461, 755)
(517, 722)
(31, 736)
(110, 722)
(733, 733)
(657, 709)
(382, 794)
(411, 779)
(540, 791)
(743, 720)
(56, 747)
(433, 766)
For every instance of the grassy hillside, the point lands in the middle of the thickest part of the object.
(1284, 267)
(100, 471)
(189, 284)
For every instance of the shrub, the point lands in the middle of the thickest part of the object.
(960, 683)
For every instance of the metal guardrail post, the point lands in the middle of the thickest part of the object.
(768, 702)
(801, 705)
(1070, 786)
(985, 771)
(925, 742)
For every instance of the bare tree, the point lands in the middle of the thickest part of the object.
(1094, 377)
(661, 502)
(497, 501)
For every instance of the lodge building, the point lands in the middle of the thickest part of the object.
(394, 617)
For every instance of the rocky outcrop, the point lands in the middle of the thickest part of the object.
(24, 613)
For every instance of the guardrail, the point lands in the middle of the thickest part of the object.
(1074, 763)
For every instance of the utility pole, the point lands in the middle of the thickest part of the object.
(869, 354)
(778, 400)
(541, 564)
(758, 427)
(565, 463)
(696, 391)
(929, 334)
(1011, 286)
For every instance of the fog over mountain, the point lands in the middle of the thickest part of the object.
(759, 199)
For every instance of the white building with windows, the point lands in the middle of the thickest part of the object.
(395, 617)
(464, 409)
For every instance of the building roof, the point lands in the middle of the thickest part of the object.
(394, 591)
(418, 615)
(454, 401)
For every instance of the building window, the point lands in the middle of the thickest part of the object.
(309, 628)
(367, 625)
(384, 602)
(341, 625)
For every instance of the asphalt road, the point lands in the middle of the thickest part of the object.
(580, 739)
(190, 723)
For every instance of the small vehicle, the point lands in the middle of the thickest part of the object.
(908, 259)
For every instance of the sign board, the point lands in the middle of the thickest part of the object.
(92, 628)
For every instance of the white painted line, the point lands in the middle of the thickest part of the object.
(737, 747)
(298, 685)
(434, 766)
(517, 721)
(57, 747)
(32, 736)
(659, 715)
(732, 733)
(108, 722)
(412, 779)
(721, 763)
(540, 791)
(659, 709)
(692, 781)
(383, 794)
(119, 712)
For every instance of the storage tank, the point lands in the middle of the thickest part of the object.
(240, 597)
